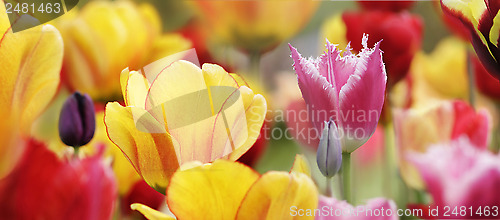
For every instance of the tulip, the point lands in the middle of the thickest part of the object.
(77, 120)
(418, 128)
(43, 186)
(386, 5)
(104, 37)
(480, 19)
(349, 90)
(31, 64)
(486, 83)
(402, 34)
(208, 192)
(342, 210)
(329, 155)
(173, 121)
(459, 174)
(255, 26)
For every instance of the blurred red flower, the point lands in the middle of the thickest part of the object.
(44, 186)
(401, 34)
(142, 193)
(486, 83)
(386, 5)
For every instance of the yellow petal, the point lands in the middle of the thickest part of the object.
(150, 213)
(335, 30)
(301, 165)
(168, 44)
(275, 193)
(445, 69)
(150, 152)
(210, 191)
(31, 62)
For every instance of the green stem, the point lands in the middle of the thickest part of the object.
(255, 64)
(346, 176)
(329, 191)
(388, 157)
(471, 80)
(76, 151)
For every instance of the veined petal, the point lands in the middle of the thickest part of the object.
(275, 193)
(362, 98)
(210, 191)
(30, 68)
(320, 96)
(150, 213)
(147, 147)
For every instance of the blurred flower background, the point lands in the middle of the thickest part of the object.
(285, 106)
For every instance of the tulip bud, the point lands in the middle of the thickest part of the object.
(77, 120)
(329, 156)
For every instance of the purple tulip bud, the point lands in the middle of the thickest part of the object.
(77, 120)
(329, 156)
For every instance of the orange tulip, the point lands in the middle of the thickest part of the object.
(255, 26)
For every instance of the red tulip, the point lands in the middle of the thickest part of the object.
(386, 5)
(142, 193)
(486, 83)
(402, 34)
(44, 186)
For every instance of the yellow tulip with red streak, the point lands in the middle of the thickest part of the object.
(153, 129)
(105, 37)
(29, 77)
(209, 191)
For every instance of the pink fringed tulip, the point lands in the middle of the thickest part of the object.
(348, 89)
(378, 208)
(461, 175)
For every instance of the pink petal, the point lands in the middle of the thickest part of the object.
(362, 98)
(319, 94)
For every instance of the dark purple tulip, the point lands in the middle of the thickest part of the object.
(77, 120)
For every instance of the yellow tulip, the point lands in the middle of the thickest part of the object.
(210, 192)
(445, 69)
(29, 77)
(105, 37)
(255, 26)
(186, 114)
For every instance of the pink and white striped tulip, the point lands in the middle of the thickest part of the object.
(347, 88)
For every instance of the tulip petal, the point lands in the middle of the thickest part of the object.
(150, 213)
(30, 68)
(301, 165)
(320, 96)
(362, 98)
(273, 195)
(478, 17)
(209, 191)
(151, 153)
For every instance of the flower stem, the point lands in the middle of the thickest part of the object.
(329, 191)
(76, 151)
(388, 161)
(346, 176)
(471, 80)
(254, 67)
